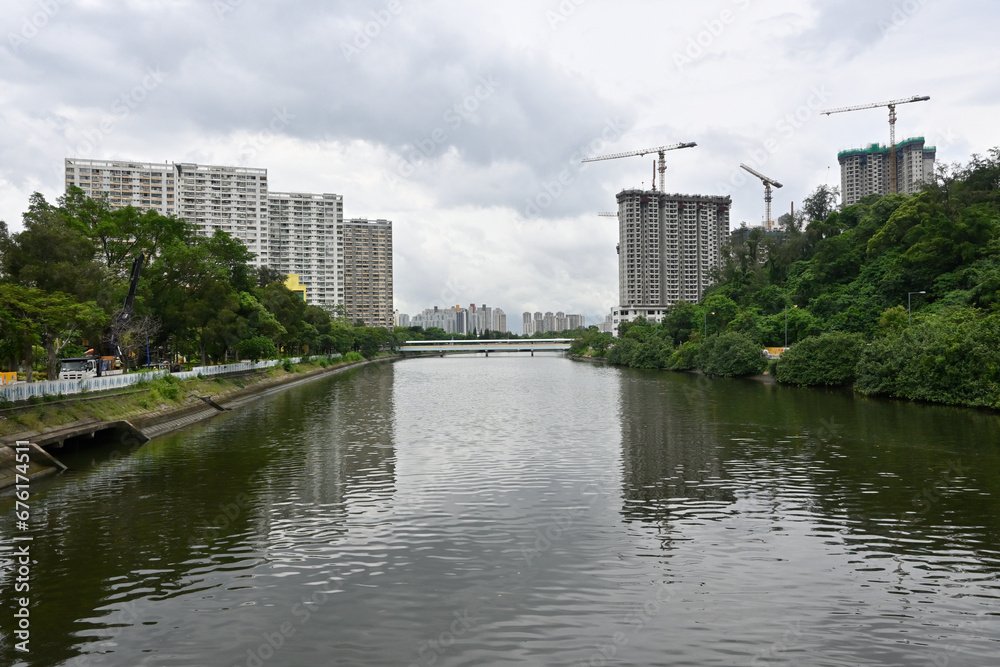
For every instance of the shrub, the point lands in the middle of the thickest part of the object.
(257, 348)
(949, 359)
(287, 365)
(731, 354)
(829, 359)
(353, 356)
(622, 352)
(652, 353)
(685, 357)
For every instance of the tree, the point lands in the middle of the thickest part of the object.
(51, 255)
(731, 354)
(828, 359)
(257, 348)
(133, 335)
(33, 316)
(119, 235)
(821, 203)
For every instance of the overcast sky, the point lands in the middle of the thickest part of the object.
(464, 122)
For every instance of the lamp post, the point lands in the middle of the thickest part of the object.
(909, 295)
(704, 331)
(786, 323)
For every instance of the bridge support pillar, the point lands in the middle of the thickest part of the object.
(487, 354)
(532, 353)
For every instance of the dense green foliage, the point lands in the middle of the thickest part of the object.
(952, 358)
(827, 359)
(730, 354)
(838, 286)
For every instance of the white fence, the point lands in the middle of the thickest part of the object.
(22, 391)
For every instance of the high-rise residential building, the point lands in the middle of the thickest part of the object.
(575, 322)
(866, 171)
(668, 246)
(499, 320)
(527, 326)
(144, 185)
(233, 199)
(291, 232)
(458, 320)
(306, 237)
(368, 271)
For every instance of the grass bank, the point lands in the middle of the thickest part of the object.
(160, 394)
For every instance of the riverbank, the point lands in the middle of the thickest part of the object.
(593, 360)
(162, 404)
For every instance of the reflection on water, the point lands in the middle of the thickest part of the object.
(518, 510)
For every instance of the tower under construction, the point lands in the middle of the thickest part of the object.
(668, 246)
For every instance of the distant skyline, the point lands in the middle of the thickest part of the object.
(464, 122)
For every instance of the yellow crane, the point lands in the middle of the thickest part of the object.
(768, 184)
(660, 150)
(892, 127)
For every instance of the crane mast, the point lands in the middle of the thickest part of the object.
(660, 151)
(768, 183)
(893, 186)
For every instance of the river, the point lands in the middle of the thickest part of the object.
(524, 511)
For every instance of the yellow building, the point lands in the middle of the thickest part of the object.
(292, 283)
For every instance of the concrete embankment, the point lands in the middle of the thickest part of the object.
(46, 442)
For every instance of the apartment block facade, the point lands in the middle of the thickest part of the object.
(292, 232)
(668, 246)
(866, 171)
(307, 238)
(368, 271)
(233, 199)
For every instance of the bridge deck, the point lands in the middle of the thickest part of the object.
(527, 345)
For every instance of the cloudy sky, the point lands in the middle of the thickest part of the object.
(464, 122)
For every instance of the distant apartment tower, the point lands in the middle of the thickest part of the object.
(233, 199)
(368, 271)
(669, 245)
(306, 238)
(866, 171)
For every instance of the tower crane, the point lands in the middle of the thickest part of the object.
(892, 127)
(660, 150)
(768, 184)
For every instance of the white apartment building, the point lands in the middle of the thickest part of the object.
(233, 199)
(307, 237)
(668, 246)
(292, 232)
(866, 171)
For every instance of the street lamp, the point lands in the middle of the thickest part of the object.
(786, 323)
(909, 319)
(704, 333)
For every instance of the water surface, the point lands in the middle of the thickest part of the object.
(526, 511)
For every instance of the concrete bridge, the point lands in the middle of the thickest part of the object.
(531, 345)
